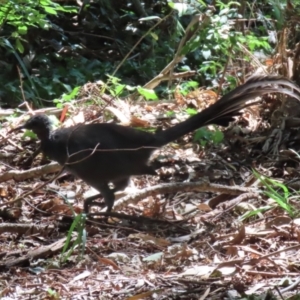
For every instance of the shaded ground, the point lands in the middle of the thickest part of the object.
(197, 245)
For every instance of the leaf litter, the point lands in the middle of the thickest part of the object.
(209, 243)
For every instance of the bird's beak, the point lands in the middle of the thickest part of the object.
(17, 129)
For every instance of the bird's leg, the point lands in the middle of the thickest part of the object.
(108, 195)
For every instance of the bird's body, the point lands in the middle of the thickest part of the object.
(109, 151)
(100, 154)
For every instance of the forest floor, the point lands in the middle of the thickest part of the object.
(215, 232)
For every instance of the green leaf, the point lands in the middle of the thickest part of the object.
(71, 95)
(50, 10)
(22, 29)
(119, 89)
(185, 68)
(19, 46)
(201, 134)
(254, 212)
(59, 105)
(30, 134)
(147, 93)
(170, 114)
(67, 9)
(217, 137)
(154, 35)
(279, 198)
(192, 84)
(191, 111)
(192, 45)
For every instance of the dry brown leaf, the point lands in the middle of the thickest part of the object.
(3, 192)
(49, 204)
(148, 108)
(179, 97)
(232, 251)
(269, 62)
(239, 237)
(136, 122)
(298, 234)
(153, 210)
(108, 262)
(204, 207)
(279, 221)
(201, 98)
(144, 295)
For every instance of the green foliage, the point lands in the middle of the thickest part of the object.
(278, 12)
(218, 36)
(204, 136)
(147, 94)
(118, 89)
(191, 111)
(170, 114)
(115, 87)
(187, 86)
(254, 42)
(58, 47)
(17, 20)
(66, 97)
(7, 43)
(80, 242)
(22, 15)
(275, 191)
(53, 294)
(255, 212)
(30, 134)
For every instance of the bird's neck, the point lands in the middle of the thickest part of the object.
(44, 134)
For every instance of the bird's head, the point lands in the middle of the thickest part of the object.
(39, 124)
